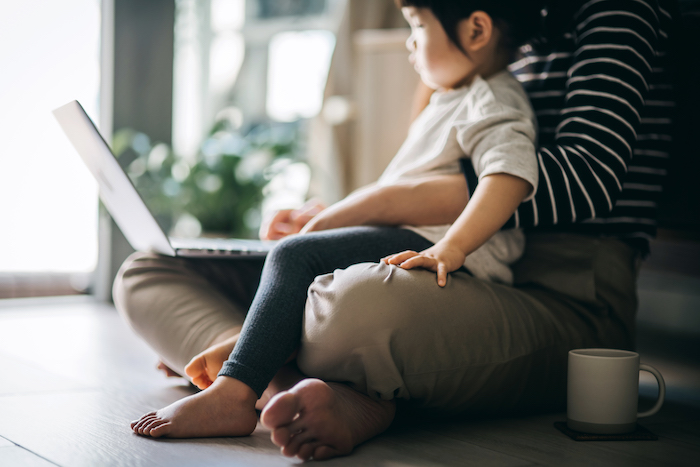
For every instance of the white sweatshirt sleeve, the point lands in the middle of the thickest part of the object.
(498, 134)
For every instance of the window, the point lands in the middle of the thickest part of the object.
(248, 74)
(49, 54)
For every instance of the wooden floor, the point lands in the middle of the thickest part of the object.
(72, 375)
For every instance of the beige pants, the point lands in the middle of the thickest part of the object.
(473, 346)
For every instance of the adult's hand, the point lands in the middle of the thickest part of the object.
(290, 221)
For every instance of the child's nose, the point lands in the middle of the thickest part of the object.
(411, 43)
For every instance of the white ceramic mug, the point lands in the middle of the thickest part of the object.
(603, 389)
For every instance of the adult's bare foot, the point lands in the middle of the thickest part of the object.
(226, 408)
(324, 420)
(287, 376)
(204, 367)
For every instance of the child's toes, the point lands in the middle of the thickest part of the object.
(161, 429)
(195, 367)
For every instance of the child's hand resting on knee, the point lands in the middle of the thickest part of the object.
(495, 199)
(442, 258)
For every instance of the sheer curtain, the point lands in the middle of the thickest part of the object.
(367, 100)
(49, 54)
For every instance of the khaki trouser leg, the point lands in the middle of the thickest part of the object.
(473, 346)
(180, 306)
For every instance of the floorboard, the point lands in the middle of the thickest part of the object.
(17, 456)
(535, 440)
(6, 443)
(72, 376)
(28, 377)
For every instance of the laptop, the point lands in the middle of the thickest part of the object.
(125, 204)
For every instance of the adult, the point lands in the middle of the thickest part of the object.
(599, 84)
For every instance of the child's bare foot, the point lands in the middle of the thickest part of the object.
(226, 408)
(204, 367)
(324, 420)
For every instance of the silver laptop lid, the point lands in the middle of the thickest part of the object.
(116, 190)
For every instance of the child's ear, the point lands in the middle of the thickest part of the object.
(476, 31)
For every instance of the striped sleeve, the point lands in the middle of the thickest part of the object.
(582, 171)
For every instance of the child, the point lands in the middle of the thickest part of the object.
(479, 111)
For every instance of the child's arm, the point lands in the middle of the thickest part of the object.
(289, 221)
(427, 201)
(494, 201)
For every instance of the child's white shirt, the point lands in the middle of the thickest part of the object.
(492, 123)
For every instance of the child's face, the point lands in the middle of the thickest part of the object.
(434, 56)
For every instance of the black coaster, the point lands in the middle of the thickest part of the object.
(640, 434)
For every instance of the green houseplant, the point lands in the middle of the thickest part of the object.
(218, 191)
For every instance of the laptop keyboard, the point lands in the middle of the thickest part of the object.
(231, 246)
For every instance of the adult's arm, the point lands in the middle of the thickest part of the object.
(582, 172)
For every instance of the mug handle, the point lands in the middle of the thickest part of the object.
(662, 390)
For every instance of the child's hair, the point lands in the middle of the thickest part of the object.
(518, 20)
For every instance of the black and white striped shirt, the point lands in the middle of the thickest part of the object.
(603, 97)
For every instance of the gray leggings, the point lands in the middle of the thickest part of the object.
(272, 327)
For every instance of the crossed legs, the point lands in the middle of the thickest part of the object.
(392, 334)
(473, 347)
(270, 333)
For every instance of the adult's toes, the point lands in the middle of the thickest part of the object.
(280, 411)
(281, 436)
(326, 452)
(307, 450)
(298, 440)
